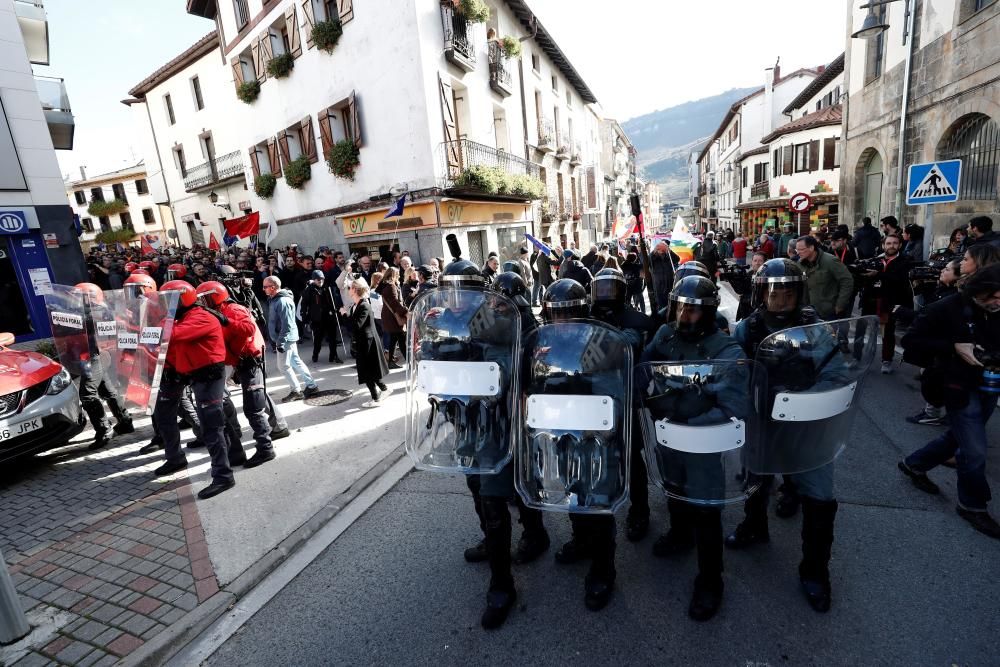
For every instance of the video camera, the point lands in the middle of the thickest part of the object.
(739, 276)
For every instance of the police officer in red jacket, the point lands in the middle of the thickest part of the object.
(196, 356)
(245, 353)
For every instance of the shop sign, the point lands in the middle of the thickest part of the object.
(13, 222)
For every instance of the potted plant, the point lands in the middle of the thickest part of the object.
(326, 34)
(264, 184)
(99, 209)
(248, 91)
(280, 66)
(474, 11)
(511, 46)
(297, 172)
(343, 159)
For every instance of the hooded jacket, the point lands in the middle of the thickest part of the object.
(281, 318)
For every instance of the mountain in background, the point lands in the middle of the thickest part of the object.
(664, 139)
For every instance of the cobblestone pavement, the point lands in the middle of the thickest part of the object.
(119, 553)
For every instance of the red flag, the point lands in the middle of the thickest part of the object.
(146, 248)
(213, 244)
(248, 225)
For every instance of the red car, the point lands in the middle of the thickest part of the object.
(39, 404)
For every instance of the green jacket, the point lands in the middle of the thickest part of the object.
(829, 286)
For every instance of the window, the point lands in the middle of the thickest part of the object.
(88, 224)
(179, 161)
(207, 146)
(340, 122)
(807, 156)
(170, 108)
(81, 198)
(760, 172)
(245, 66)
(979, 5)
(296, 141)
(126, 219)
(787, 160)
(264, 159)
(199, 103)
(569, 98)
(536, 63)
(96, 194)
(975, 140)
(141, 187)
(555, 84)
(743, 179)
(118, 189)
(147, 217)
(242, 13)
(831, 153)
(875, 51)
(105, 223)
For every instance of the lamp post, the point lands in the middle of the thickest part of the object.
(873, 26)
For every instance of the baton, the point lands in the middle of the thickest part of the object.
(336, 319)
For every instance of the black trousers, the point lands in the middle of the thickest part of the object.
(208, 403)
(93, 388)
(251, 379)
(703, 526)
(327, 330)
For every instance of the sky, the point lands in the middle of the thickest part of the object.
(637, 56)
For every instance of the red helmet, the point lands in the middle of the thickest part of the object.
(95, 293)
(176, 271)
(139, 284)
(130, 267)
(147, 265)
(213, 292)
(187, 294)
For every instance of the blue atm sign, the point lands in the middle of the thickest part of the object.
(13, 222)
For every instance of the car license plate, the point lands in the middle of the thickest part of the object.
(11, 430)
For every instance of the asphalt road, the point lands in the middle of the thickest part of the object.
(913, 583)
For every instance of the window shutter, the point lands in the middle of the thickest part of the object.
(266, 52)
(283, 147)
(346, 9)
(453, 152)
(237, 72)
(272, 157)
(786, 167)
(309, 20)
(591, 188)
(814, 155)
(309, 140)
(254, 164)
(325, 132)
(352, 113)
(776, 163)
(258, 61)
(829, 149)
(292, 27)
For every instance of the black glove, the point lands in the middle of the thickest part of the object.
(281, 349)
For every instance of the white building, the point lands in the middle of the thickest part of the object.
(419, 104)
(118, 200)
(652, 205)
(618, 161)
(38, 240)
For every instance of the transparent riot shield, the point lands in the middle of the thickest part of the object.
(699, 426)
(572, 451)
(143, 327)
(462, 379)
(105, 317)
(814, 377)
(71, 332)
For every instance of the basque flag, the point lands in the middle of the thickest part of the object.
(397, 208)
(538, 244)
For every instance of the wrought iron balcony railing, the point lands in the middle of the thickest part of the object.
(221, 168)
(546, 135)
(500, 77)
(760, 190)
(462, 154)
(459, 45)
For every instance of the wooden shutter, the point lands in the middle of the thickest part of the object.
(272, 157)
(254, 163)
(591, 188)
(776, 163)
(453, 152)
(309, 139)
(829, 152)
(325, 131)
(259, 66)
(309, 20)
(814, 155)
(292, 27)
(788, 162)
(237, 72)
(266, 52)
(352, 113)
(283, 147)
(346, 9)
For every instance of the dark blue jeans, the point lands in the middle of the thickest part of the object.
(966, 441)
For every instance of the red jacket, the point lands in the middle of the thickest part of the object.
(196, 342)
(243, 337)
(740, 248)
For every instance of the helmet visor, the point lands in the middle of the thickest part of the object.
(608, 290)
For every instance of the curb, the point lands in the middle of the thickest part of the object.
(171, 641)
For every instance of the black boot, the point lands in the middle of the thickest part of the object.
(706, 598)
(124, 427)
(600, 581)
(637, 522)
(477, 553)
(534, 540)
(708, 584)
(817, 542)
(501, 595)
(101, 440)
(154, 445)
(753, 529)
(788, 500)
(579, 547)
(680, 538)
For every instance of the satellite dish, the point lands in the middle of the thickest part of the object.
(399, 188)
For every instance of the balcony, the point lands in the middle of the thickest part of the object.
(563, 151)
(214, 171)
(461, 154)
(546, 135)
(58, 115)
(576, 159)
(702, 190)
(713, 213)
(34, 28)
(459, 46)
(711, 189)
(760, 190)
(500, 78)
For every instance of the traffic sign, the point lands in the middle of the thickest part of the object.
(800, 203)
(13, 222)
(933, 182)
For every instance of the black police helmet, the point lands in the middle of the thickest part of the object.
(513, 267)
(461, 273)
(511, 285)
(608, 289)
(691, 268)
(565, 299)
(779, 274)
(699, 293)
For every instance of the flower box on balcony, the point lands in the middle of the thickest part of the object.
(576, 160)
(459, 45)
(280, 66)
(100, 209)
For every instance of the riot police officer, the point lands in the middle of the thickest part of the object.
(778, 299)
(609, 304)
(692, 333)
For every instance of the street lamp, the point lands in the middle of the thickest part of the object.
(872, 25)
(214, 198)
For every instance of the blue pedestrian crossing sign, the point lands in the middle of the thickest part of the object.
(933, 182)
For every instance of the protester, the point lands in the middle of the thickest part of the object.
(372, 366)
(867, 239)
(284, 335)
(393, 316)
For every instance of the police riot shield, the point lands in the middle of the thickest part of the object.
(572, 453)
(71, 332)
(814, 377)
(143, 327)
(105, 318)
(699, 427)
(462, 380)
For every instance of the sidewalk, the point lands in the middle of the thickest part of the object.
(111, 562)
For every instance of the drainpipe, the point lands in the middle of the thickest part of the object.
(900, 197)
(524, 129)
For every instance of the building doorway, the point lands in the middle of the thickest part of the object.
(14, 315)
(477, 247)
(873, 187)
